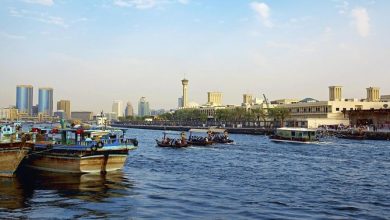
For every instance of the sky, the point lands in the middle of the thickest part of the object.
(95, 51)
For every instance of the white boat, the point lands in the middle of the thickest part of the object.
(295, 135)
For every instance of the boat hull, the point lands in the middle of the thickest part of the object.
(82, 162)
(11, 155)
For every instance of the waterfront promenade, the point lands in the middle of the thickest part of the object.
(369, 135)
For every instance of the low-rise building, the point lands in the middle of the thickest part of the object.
(82, 115)
(10, 114)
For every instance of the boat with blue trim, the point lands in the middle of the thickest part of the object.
(80, 151)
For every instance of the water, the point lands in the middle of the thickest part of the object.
(254, 179)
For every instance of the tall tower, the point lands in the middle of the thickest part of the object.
(64, 105)
(184, 82)
(24, 99)
(373, 94)
(117, 107)
(143, 107)
(335, 93)
(45, 101)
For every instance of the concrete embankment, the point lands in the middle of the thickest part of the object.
(251, 131)
(366, 135)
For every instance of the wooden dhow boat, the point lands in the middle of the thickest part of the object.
(172, 142)
(12, 151)
(200, 140)
(81, 151)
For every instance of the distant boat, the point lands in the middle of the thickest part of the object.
(220, 136)
(200, 140)
(295, 135)
(81, 151)
(12, 151)
(172, 142)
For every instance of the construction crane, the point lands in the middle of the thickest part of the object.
(266, 101)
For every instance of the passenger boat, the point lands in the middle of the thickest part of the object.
(81, 151)
(220, 136)
(200, 140)
(173, 142)
(294, 135)
(12, 151)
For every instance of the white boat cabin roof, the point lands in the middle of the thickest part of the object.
(295, 129)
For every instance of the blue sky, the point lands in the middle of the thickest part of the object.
(94, 52)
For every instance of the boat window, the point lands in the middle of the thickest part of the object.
(293, 133)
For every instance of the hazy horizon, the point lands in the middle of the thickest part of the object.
(94, 52)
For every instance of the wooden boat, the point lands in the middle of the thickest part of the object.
(200, 140)
(12, 151)
(172, 142)
(79, 151)
(220, 136)
(295, 135)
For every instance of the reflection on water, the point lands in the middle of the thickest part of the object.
(16, 193)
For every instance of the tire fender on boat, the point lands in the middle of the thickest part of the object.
(99, 144)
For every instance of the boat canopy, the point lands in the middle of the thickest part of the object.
(295, 129)
(213, 130)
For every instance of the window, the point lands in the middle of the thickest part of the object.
(337, 109)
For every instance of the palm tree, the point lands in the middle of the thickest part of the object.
(260, 113)
(279, 113)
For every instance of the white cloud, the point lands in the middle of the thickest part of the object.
(139, 4)
(361, 21)
(263, 11)
(11, 36)
(41, 17)
(343, 7)
(147, 4)
(184, 2)
(41, 2)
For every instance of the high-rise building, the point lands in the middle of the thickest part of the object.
(117, 107)
(247, 99)
(373, 94)
(214, 98)
(129, 111)
(64, 105)
(184, 82)
(45, 101)
(335, 93)
(24, 99)
(143, 107)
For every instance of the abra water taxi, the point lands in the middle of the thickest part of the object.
(294, 135)
(173, 142)
(81, 151)
(12, 150)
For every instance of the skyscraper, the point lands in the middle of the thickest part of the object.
(64, 105)
(117, 107)
(184, 82)
(143, 107)
(24, 99)
(45, 101)
(129, 111)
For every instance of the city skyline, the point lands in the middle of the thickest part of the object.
(128, 49)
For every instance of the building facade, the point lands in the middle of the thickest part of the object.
(143, 107)
(373, 94)
(214, 98)
(10, 114)
(64, 105)
(82, 115)
(45, 101)
(247, 99)
(24, 99)
(129, 111)
(385, 98)
(117, 107)
(335, 93)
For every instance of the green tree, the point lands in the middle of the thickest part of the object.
(280, 114)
